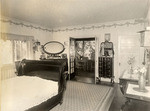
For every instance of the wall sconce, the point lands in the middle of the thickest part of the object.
(36, 43)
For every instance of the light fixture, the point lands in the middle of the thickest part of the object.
(36, 43)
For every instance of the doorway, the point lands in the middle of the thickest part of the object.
(82, 55)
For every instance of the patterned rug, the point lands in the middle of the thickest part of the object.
(83, 97)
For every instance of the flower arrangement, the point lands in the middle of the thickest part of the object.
(142, 78)
(141, 70)
(131, 62)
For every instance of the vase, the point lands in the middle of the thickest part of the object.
(131, 71)
(141, 82)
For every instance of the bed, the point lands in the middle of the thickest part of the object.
(39, 86)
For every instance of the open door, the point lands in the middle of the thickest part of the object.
(71, 58)
(96, 58)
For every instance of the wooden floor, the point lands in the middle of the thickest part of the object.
(134, 105)
(84, 79)
(89, 74)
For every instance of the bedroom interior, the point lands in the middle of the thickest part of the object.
(75, 55)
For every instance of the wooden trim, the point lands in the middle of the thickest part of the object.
(84, 39)
(10, 36)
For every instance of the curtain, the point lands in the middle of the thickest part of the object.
(16, 48)
(6, 52)
(21, 50)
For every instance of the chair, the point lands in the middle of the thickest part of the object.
(90, 65)
(81, 64)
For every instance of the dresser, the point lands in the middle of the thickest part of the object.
(106, 67)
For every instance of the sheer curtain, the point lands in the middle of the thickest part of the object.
(6, 52)
(21, 50)
(16, 48)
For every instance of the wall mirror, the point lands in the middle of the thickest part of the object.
(53, 48)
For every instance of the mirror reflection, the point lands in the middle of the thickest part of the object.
(53, 47)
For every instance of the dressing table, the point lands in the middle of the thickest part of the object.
(53, 49)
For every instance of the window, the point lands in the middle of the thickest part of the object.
(6, 52)
(85, 48)
(21, 50)
(72, 55)
(16, 48)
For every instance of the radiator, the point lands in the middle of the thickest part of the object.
(8, 71)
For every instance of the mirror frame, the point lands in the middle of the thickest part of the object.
(53, 53)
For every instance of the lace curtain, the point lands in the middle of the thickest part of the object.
(16, 48)
(21, 50)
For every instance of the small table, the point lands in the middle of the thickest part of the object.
(132, 94)
(125, 78)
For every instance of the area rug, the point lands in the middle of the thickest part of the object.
(85, 97)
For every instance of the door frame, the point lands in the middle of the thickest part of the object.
(96, 53)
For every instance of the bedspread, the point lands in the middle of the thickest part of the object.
(24, 92)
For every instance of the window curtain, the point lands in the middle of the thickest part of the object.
(6, 52)
(15, 48)
(21, 50)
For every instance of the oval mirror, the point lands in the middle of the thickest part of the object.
(53, 47)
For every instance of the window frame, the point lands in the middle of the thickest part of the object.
(15, 37)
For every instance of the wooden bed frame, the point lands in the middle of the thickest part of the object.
(50, 70)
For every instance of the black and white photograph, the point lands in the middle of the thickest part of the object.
(74, 55)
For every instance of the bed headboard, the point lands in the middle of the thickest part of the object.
(47, 69)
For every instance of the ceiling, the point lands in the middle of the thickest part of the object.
(59, 13)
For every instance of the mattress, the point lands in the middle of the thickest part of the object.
(24, 92)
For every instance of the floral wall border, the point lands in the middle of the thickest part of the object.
(136, 21)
